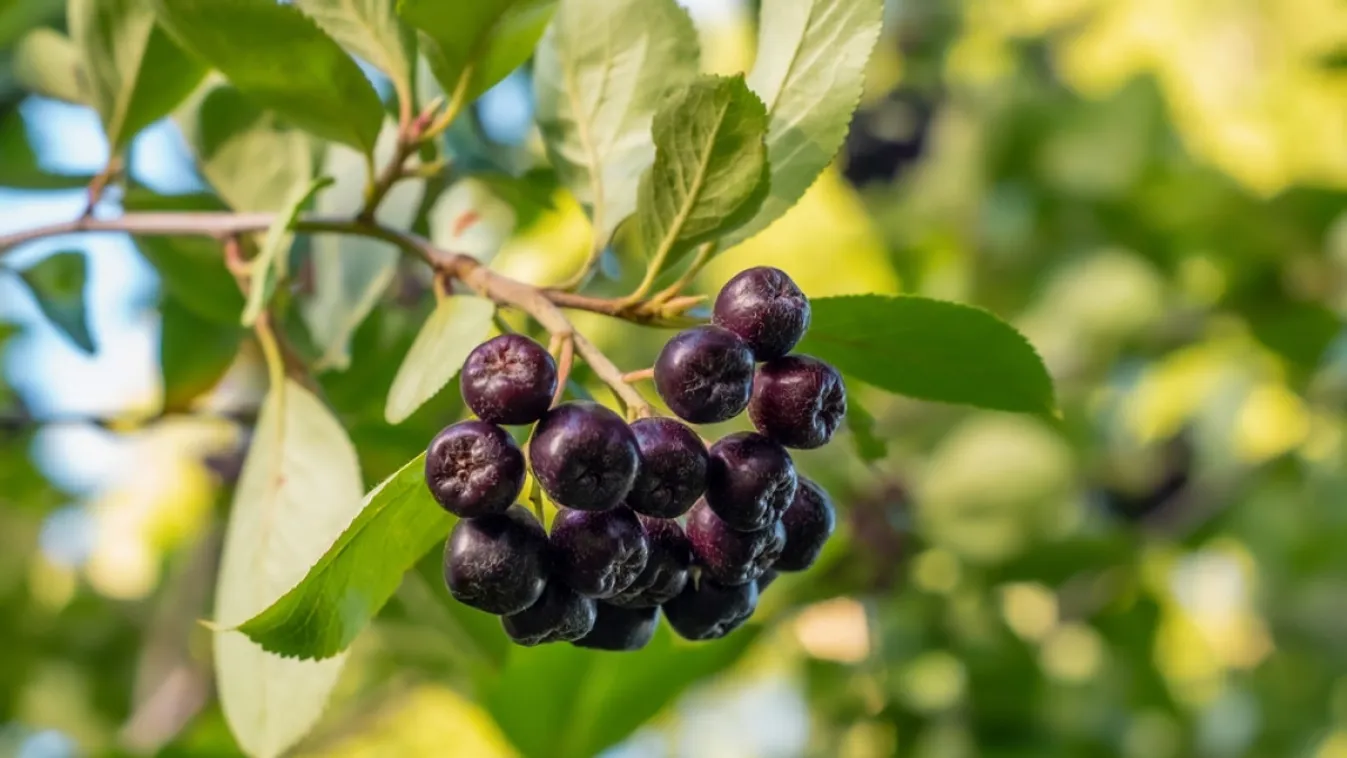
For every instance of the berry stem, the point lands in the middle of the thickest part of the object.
(642, 375)
(565, 358)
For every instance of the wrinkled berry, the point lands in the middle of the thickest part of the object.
(672, 474)
(617, 628)
(750, 481)
(560, 615)
(764, 307)
(705, 374)
(798, 401)
(730, 556)
(598, 553)
(474, 468)
(708, 610)
(809, 522)
(509, 379)
(666, 567)
(584, 456)
(497, 563)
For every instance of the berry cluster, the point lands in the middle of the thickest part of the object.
(617, 553)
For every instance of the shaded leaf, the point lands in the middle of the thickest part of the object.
(399, 523)
(487, 39)
(278, 57)
(49, 63)
(598, 86)
(371, 30)
(194, 353)
(299, 490)
(270, 265)
(930, 350)
(869, 446)
(57, 283)
(458, 324)
(20, 167)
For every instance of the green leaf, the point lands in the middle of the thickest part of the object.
(191, 269)
(270, 265)
(598, 86)
(250, 157)
(559, 701)
(275, 55)
(487, 39)
(299, 489)
(458, 324)
(351, 272)
(930, 350)
(371, 30)
(810, 72)
(709, 174)
(49, 63)
(398, 523)
(20, 167)
(57, 283)
(869, 446)
(194, 353)
(137, 75)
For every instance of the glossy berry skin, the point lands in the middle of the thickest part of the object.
(666, 566)
(705, 374)
(474, 468)
(672, 473)
(809, 522)
(709, 610)
(497, 563)
(730, 556)
(584, 456)
(560, 615)
(798, 401)
(765, 308)
(598, 553)
(750, 481)
(617, 628)
(509, 379)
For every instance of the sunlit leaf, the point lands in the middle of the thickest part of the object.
(50, 64)
(269, 267)
(371, 30)
(483, 40)
(458, 324)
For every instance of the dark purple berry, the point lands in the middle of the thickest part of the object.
(497, 563)
(560, 615)
(618, 628)
(750, 481)
(509, 379)
(672, 474)
(766, 579)
(474, 469)
(730, 556)
(666, 567)
(598, 553)
(584, 455)
(798, 401)
(708, 610)
(705, 374)
(809, 522)
(765, 308)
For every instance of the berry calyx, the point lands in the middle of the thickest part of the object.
(497, 563)
(809, 522)
(765, 308)
(672, 473)
(730, 556)
(666, 566)
(708, 610)
(750, 482)
(509, 379)
(560, 615)
(474, 468)
(617, 628)
(598, 553)
(584, 456)
(798, 401)
(705, 374)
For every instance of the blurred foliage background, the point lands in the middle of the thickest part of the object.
(1152, 190)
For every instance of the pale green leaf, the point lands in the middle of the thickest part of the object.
(810, 72)
(486, 39)
(930, 350)
(601, 71)
(470, 218)
(709, 174)
(275, 55)
(57, 283)
(270, 265)
(371, 30)
(299, 490)
(398, 523)
(194, 353)
(49, 63)
(458, 324)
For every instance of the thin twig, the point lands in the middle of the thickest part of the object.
(642, 375)
(565, 358)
